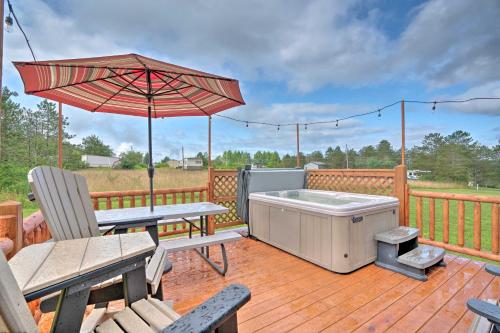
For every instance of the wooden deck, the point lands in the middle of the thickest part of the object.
(290, 294)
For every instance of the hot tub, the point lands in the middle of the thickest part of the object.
(334, 230)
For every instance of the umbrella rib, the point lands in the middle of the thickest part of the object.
(185, 97)
(213, 77)
(127, 88)
(139, 60)
(212, 92)
(82, 82)
(164, 85)
(116, 93)
(142, 92)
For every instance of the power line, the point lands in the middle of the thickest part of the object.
(336, 121)
(11, 11)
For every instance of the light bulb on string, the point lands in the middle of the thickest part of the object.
(305, 127)
(434, 106)
(8, 23)
(247, 124)
(337, 124)
(278, 128)
(379, 115)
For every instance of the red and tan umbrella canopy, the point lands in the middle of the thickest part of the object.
(133, 85)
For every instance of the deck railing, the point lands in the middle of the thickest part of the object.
(457, 222)
(140, 198)
(448, 225)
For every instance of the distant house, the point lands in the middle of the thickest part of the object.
(95, 161)
(174, 164)
(415, 174)
(315, 166)
(192, 163)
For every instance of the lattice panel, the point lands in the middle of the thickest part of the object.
(380, 185)
(225, 185)
(232, 216)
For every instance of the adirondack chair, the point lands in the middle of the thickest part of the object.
(487, 311)
(151, 315)
(64, 200)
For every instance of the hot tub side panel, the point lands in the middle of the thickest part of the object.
(353, 243)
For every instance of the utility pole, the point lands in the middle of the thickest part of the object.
(298, 146)
(403, 132)
(347, 156)
(1, 66)
(182, 157)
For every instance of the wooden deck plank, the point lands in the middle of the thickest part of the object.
(424, 311)
(492, 291)
(280, 317)
(289, 293)
(285, 300)
(343, 306)
(393, 313)
(455, 308)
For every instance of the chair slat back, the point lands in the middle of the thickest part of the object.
(64, 199)
(15, 315)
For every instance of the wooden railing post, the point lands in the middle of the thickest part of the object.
(210, 198)
(11, 222)
(400, 192)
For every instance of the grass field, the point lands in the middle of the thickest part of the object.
(453, 217)
(101, 180)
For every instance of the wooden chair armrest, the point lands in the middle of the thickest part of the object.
(214, 312)
(485, 309)
(493, 269)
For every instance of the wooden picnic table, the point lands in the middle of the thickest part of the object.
(124, 218)
(74, 266)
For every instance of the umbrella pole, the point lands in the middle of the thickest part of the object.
(151, 168)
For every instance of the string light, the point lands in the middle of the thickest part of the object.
(9, 22)
(377, 111)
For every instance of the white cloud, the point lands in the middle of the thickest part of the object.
(305, 44)
(123, 148)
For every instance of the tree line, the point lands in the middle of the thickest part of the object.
(29, 138)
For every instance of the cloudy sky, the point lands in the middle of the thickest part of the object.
(297, 61)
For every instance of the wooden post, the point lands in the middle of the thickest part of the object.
(210, 185)
(477, 226)
(403, 131)
(495, 231)
(400, 191)
(12, 215)
(298, 146)
(446, 221)
(60, 138)
(209, 141)
(461, 223)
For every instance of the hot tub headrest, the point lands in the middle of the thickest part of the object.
(264, 180)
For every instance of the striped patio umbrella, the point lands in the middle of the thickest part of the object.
(133, 85)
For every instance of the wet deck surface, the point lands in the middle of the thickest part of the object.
(290, 294)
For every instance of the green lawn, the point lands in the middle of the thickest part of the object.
(453, 218)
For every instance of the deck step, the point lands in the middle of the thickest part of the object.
(397, 235)
(422, 257)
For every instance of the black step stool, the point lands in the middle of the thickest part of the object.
(398, 251)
